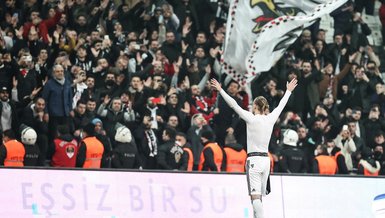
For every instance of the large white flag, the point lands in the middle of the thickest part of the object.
(259, 31)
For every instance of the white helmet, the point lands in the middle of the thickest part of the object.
(123, 135)
(290, 137)
(28, 136)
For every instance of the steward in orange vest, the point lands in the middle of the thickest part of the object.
(323, 163)
(181, 138)
(235, 155)
(367, 165)
(212, 158)
(340, 160)
(12, 152)
(91, 149)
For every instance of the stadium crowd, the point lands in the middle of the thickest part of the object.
(124, 84)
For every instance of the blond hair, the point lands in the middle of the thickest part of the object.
(261, 103)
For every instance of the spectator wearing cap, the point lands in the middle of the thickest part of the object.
(33, 116)
(91, 150)
(8, 114)
(212, 157)
(170, 154)
(57, 94)
(102, 136)
(292, 159)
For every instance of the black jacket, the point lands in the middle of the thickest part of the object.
(125, 155)
(292, 160)
(32, 156)
(172, 157)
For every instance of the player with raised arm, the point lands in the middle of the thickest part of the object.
(259, 127)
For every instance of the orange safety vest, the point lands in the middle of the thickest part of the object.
(218, 156)
(271, 162)
(94, 152)
(15, 154)
(368, 173)
(235, 160)
(326, 165)
(190, 159)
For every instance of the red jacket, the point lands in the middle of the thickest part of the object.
(42, 27)
(65, 153)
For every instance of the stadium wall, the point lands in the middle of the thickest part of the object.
(79, 193)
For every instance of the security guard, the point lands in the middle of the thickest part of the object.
(12, 152)
(292, 159)
(91, 149)
(235, 155)
(212, 157)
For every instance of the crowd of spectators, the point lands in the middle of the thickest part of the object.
(125, 83)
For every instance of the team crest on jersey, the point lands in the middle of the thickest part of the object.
(70, 151)
(271, 9)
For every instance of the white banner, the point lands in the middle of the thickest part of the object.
(114, 194)
(244, 26)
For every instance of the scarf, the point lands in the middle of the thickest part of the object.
(61, 82)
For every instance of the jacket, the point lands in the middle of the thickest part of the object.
(212, 158)
(58, 98)
(236, 158)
